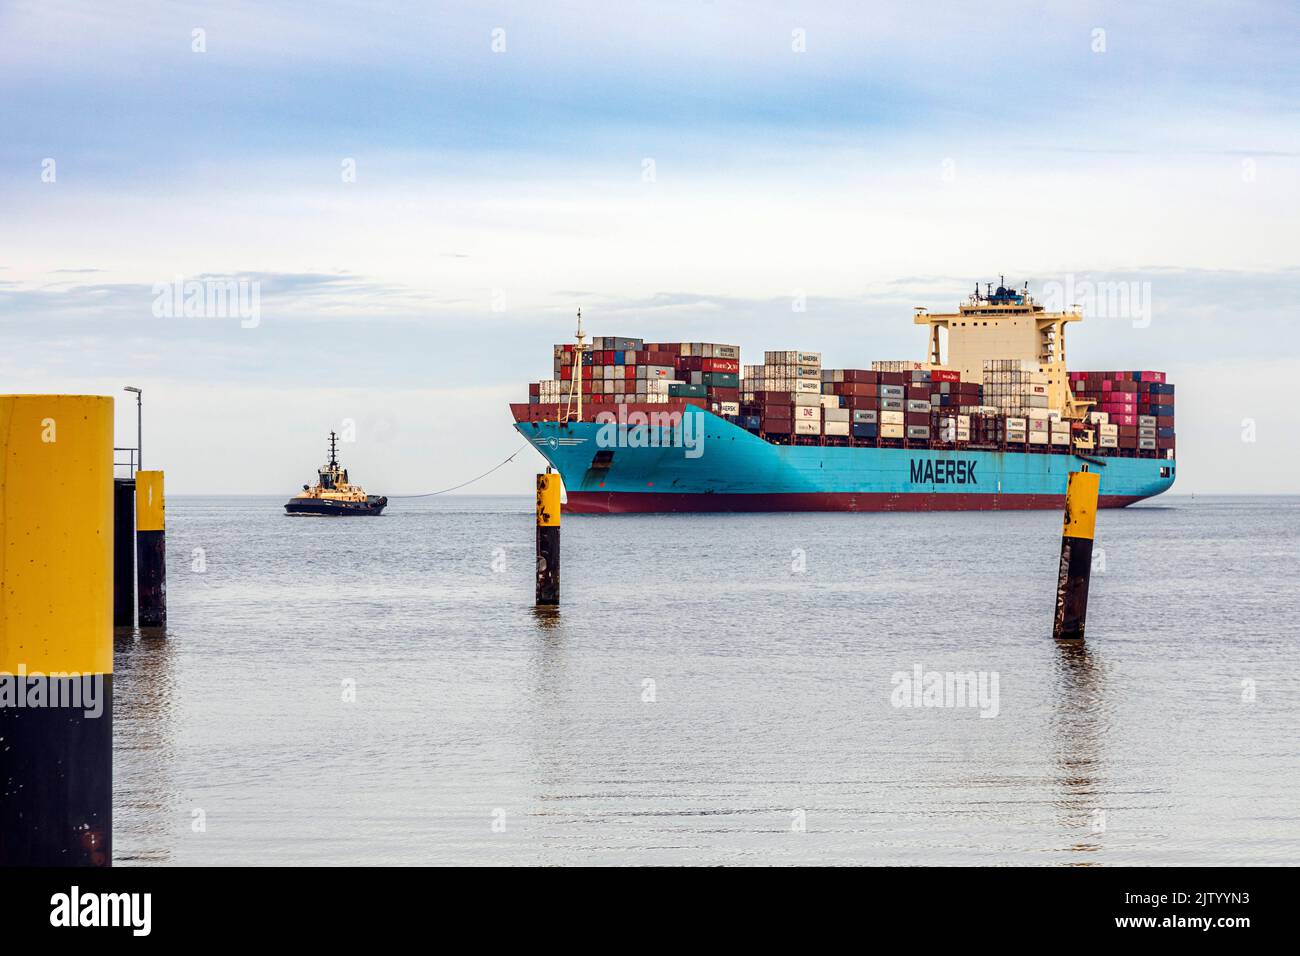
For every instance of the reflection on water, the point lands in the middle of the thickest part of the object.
(144, 751)
(695, 701)
(1079, 725)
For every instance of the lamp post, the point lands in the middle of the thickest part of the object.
(139, 420)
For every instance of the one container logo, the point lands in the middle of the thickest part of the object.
(639, 429)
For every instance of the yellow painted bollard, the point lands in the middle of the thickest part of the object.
(1076, 555)
(548, 539)
(150, 548)
(56, 630)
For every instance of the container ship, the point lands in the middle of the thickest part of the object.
(991, 419)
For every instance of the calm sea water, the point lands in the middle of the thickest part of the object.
(382, 691)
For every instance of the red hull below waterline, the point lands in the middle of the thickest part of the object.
(631, 502)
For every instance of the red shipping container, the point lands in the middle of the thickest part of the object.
(777, 411)
(721, 365)
(724, 394)
(944, 375)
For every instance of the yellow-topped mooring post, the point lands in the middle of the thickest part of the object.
(1076, 555)
(548, 539)
(56, 630)
(150, 548)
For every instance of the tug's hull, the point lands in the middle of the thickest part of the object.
(373, 505)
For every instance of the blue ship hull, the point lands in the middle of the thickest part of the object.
(636, 469)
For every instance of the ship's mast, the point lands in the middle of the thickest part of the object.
(577, 364)
(334, 460)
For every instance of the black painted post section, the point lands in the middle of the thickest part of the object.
(123, 552)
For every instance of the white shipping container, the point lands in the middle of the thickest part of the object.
(830, 401)
(1038, 438)
(729, 408)
(807, 413)
(836, 428)
(1016, 424)
(807, 386)
(892, 418)
(889, 429)
(807, 399)
(1108, 441)
(836, 415)
(802, 427)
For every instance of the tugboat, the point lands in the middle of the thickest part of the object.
(333, 495)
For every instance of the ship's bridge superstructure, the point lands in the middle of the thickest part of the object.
(1005, 323)
(332, 483)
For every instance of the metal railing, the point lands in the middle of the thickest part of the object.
(130, 463)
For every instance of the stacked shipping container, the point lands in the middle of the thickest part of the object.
(618, 371)
(790, 398)
(1133, 411)
(782, 397)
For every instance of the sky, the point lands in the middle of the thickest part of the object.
(423, 194)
